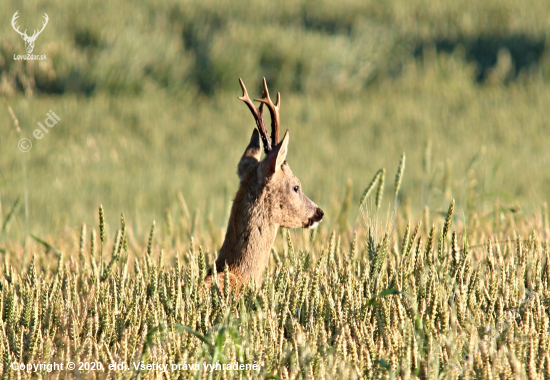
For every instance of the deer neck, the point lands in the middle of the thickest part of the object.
(249, 237)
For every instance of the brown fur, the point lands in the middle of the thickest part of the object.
(233, 281)
(266, 200)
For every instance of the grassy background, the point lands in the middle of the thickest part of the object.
(147, 97)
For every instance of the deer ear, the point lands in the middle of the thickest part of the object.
(251, 155)
(272, 163)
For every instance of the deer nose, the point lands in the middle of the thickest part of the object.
(319, 214)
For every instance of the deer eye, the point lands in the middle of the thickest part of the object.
(296, 189)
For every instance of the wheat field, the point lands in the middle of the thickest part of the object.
(434, 299)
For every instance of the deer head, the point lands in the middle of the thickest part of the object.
(270, 196)
(29, 41)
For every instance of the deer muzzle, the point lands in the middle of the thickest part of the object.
(316, 218)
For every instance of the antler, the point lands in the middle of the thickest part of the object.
(15, 16)
(24, 34)
(35, 34)
(274, 111)
(258, 116)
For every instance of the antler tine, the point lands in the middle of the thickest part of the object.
(13, 19)
(258, 116)
(36, 33)
(274, 111)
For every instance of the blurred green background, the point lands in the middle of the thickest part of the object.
(147, 96)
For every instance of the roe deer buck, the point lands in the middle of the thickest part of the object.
(269, 197)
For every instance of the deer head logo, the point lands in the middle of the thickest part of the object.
(29, 41)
